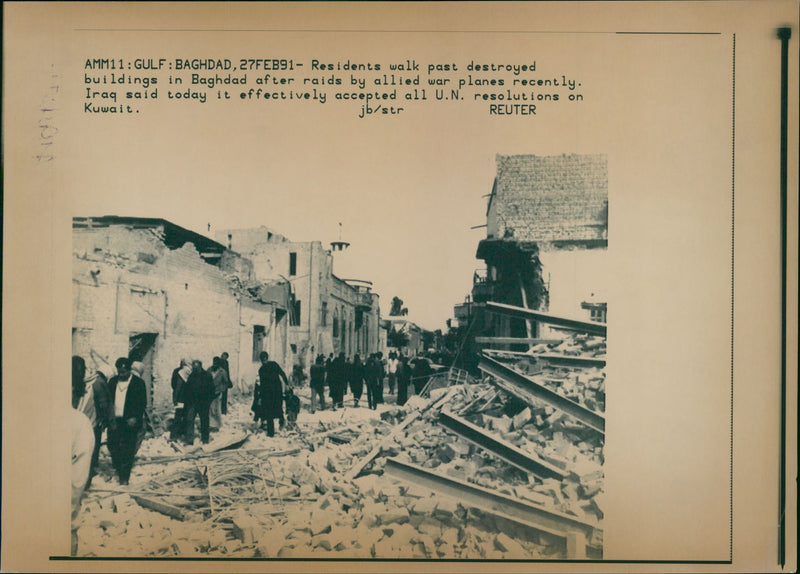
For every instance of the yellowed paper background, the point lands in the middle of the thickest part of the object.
(659, 105)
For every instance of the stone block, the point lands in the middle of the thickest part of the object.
(535, 497)
(461, 448)
(288, 551)
(446, 507)
(502, 425)
(425, 506)
(457, 472)
(394, 516)
(430, 526)
(570, 489)
(522, 418)
(508, 545)
(321, 541)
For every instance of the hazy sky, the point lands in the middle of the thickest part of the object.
(406, 188)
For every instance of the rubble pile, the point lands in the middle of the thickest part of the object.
(323, 488)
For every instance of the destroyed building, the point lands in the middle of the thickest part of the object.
(546, 240)
(405, 329)
(327, 314)
(157, 292)
(504, 468)
(503, 465)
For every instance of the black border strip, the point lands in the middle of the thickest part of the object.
(370, 560)
(733, 258)
(374, 31)
(733, 197)
(784, 34)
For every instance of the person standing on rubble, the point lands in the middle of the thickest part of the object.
(221, 384)
(180, 377)
(318, 382)
(355, 376)
(403, 378)
(129, 396)
(268, 395)
(82, 447)
(380, 374)
(337, 379)
(391, 371)
(223, 403)
(372, 374)
(78, 384)
(199, 395)
(99, 414)
(85, 401)
(137, 368)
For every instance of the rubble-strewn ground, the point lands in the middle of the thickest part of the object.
(315, 491)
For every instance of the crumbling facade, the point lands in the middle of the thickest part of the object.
(154, 291)
(326, 314)
(409, 331)
(547, 239)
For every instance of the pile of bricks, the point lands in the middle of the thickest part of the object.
(322, 490)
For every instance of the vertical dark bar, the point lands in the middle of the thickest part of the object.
(784, 34)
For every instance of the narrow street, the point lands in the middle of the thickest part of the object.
(467, 470)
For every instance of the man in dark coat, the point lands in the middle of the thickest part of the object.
(268, 395)
(318, 382)
(178, 382)
(403, 379)
(224, 399)
(337, 379)
(199, 394)
(129, 399)
(355, 377)
(104, 414)
(380, 374)
(372, 373)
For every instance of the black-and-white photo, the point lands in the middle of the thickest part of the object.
(334, 280)
(250, 396)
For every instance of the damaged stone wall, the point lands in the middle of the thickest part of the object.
(126, 282)
(321, 295)
(550, 198)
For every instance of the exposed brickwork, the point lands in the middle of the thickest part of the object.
(125, 281)
(548, 199)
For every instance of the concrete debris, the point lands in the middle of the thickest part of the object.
(319, 489)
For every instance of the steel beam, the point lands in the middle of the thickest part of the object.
(549, 521)
(590, 327)
(572, 360)
(502, 449)
(529, 387)
(553, 358)
(516, 341)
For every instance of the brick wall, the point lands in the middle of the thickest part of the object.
(189, 305)
(550, 198)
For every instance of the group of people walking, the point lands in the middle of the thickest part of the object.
(339, 373)
(199, 393)
(114, 402)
